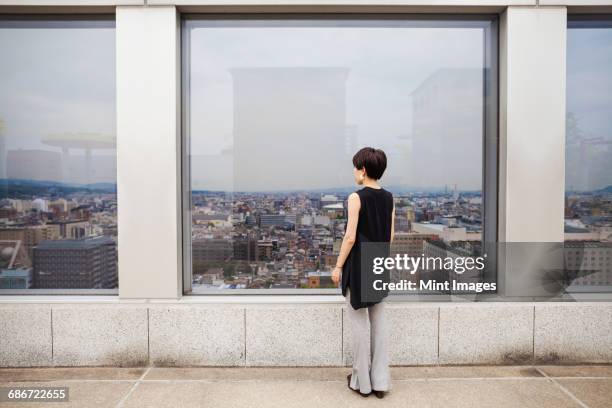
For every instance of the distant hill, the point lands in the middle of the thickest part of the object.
(605, 190)
(24, 188)
(342, 190)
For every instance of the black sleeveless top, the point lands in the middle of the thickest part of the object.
(374, 225)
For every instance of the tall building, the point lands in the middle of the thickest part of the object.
(34, 164)
(446, 132)
(89, 263)
(245, 248)
(274, 107)
(211, 250)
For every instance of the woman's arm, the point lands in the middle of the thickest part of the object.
(350, 235)
(392, 224)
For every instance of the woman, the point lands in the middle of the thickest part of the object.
(371, 214)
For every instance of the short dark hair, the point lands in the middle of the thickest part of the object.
(374, 161)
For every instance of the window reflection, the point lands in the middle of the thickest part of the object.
(588, 176)
(276, 110)
(58, 204)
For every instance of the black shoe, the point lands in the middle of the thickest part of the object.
(348, 378)
(379, 394)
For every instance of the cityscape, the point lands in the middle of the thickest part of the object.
(265, 209)
(57, 236)
(292, 239)
(65, 237)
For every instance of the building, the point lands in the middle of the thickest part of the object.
(34, 164)
(446, 233)
(71, 229)
(588, 263)
(260, 133)
(211, 250)
(15, 270)
(245, 248)
(89, 263)
(411, 244)
(272, 220)
(319, 279)
(17, 278)
(334, 211)
(264, 250)
(438, 141)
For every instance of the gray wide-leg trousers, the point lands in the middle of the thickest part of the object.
(370, 361)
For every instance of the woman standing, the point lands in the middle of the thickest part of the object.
(371, 214)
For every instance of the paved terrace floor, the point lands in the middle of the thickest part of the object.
(448, 387)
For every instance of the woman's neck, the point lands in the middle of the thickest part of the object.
(370, 183)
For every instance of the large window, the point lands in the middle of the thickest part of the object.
(58, 202)
(275, 108)
(588, 175)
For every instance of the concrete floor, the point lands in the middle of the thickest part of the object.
(454, 387)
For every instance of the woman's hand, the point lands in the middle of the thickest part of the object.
(336, 275)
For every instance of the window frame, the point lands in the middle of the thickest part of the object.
(61, 20)
(490, 136)
(580, 20)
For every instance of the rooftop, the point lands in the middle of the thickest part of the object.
(15, 272)
(85, 243)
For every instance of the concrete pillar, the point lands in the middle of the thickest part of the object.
(148, 151)
(532, 143)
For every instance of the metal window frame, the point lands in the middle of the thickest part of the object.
(577, 21)
(68, 21)
(490, 153)
(589, 20)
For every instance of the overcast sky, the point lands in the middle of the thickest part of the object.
(63, 80)
(589, 99)
(383, 65)
(59, 80)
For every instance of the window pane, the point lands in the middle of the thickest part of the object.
(588, 176)
(58, 208)
(275, 111)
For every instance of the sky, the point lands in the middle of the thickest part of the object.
(55, 81)
(277, 107)
(589, 100)
(281, 76)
